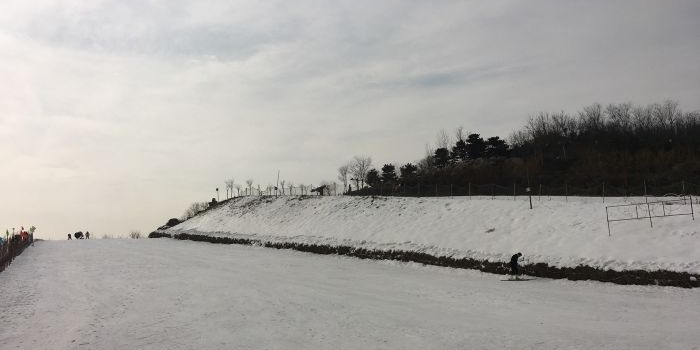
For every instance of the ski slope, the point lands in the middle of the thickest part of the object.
(558, 232)
(168, 294)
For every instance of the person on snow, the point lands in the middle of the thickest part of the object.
(514, 264)
(69, 237)
(87, 234)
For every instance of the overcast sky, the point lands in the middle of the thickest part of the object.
(116, 115)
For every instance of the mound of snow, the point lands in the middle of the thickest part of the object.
(559, 232)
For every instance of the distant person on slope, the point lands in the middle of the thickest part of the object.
(514, 264)
(69, 238)
(87, 234)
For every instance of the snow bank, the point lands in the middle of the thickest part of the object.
(558, 232)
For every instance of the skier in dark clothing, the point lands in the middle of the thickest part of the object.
(87, 234)
(69, 237)
(514, 264)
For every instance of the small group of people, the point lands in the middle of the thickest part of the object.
(13, 244)
(17, 236)
(80, 235)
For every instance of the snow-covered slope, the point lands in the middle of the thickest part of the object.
(562, 233)
(166, 294)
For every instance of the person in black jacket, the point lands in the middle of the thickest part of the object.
(514, 264)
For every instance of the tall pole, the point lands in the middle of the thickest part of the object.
(645, 191)
(607, 217)
(682, 187)
(278, 182)
(692, 211)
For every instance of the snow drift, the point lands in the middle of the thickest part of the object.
(558, 232)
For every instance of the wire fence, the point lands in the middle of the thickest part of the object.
(303, 190)
(492, 190)
(538, 190)
(13, 246)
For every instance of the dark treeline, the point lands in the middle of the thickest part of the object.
(620, 144)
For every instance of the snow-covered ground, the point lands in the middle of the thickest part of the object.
(558, 232)
(168, 294)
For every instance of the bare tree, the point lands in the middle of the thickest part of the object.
(460, 134)
(291, 188)
(443, 140)
(229, 186)
(238, 189)
(193, 209)
(428, 160)
(360, 167)
(282, 182)
(343, 172)
(249, 182)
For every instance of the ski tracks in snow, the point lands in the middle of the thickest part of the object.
(166, 294)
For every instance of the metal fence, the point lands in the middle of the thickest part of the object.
(537, 191)
(13, 247)
(601, 190)
(679, 206)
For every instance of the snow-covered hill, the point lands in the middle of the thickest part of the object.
(559, 232)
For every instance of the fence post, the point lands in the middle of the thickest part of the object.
(607, 217)
(692, 212)
(646, 200)
(663, 207)
(682, 187)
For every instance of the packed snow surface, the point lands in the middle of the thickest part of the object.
(558, 231)
(168, 294)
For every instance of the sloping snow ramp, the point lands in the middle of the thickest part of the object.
(558, 232)
(168, 294)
